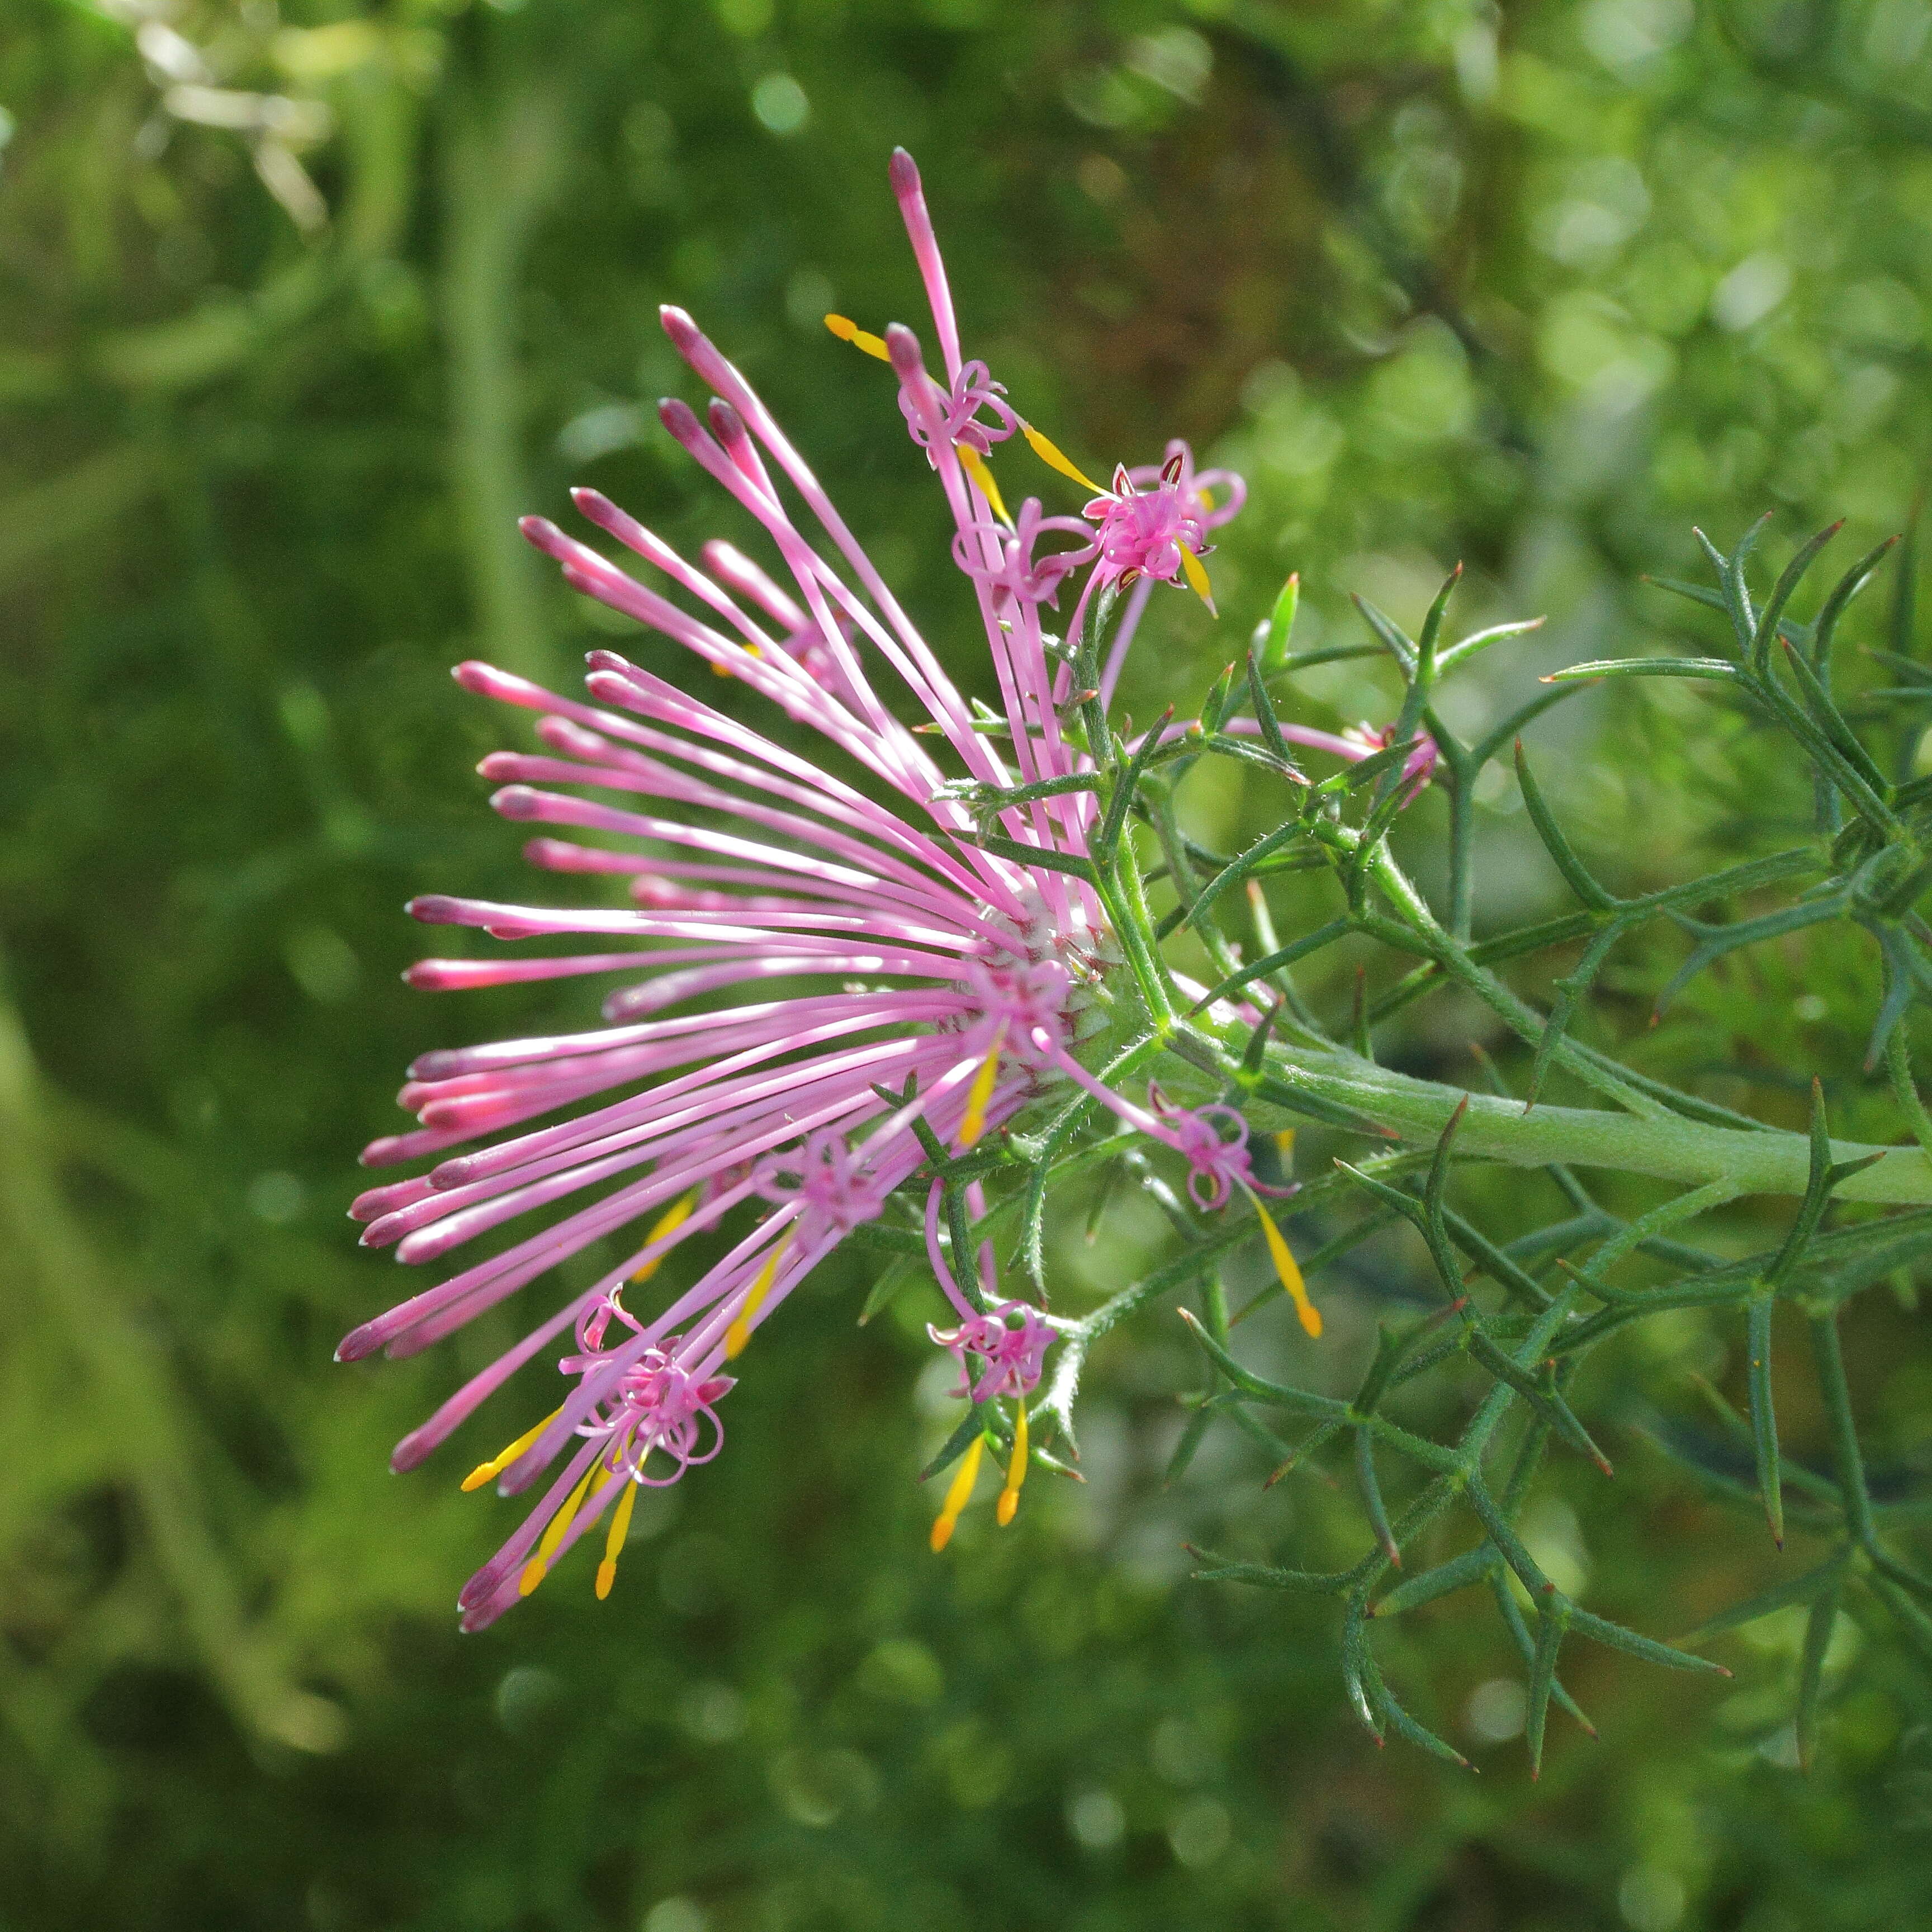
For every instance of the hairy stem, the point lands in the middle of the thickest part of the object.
(1666, 1146)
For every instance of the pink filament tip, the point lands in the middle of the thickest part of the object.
(907, 361)
(374, 1202)
(359, 1342)
(696, 347)
(414, 1450)
(545, 535)
(435, 976)
(486, 681)
(685, 334)
(681, 419)
(480, 1586)
(516, 801)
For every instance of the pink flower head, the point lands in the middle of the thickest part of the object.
(957, 421)
(1418, 769)
(648, 1400)
(1022, 1007)
(1143, 532)
(804, 936)
(829, 1182)
(1153, 528)
(1216, 496)
(1005, 1349)
(1016, 573)
(1214, 1140)
(1008, 1341)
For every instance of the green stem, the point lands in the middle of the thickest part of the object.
(1124, 899)
(1667, 1146)
(1830, 1364)
(1521, 1019)
(498, 168)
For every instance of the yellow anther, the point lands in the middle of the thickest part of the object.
(613, 1543)
(1290, 1272)
(725, 670)
(974, 465)
(846, 330)
(1049, 452)
(1016, 1473)
(959, 1494)
(537, 1567)
(1196, 573)
(673, 1218)
(485, 1471)
(739, 1332)
(981, 1092)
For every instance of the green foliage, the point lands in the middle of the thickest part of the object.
(1532, 288)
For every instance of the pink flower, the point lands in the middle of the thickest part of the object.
(1212, 497)
(1016, 573)
(1151, 527)
(1364, 741)
(831, 1182)
(971, 391)
(1000, 1348)
(1213, 1141)
(843, 941)
(1145, 532)
(1023, 1006)
(1008, 1340)
(653, 1405)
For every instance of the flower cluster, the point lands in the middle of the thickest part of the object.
(820, 978)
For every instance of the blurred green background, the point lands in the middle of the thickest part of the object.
(301, 309)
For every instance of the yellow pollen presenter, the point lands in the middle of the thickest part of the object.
(1016, 1472)
(614, 1542)
(974, 465)
(980, 1094)
(739, 1332)
(958, 1494)
(484, 1472)
(537, 1567)
(1286, 1267)
(1050, 453)
(668, 1222)
(846, 330)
